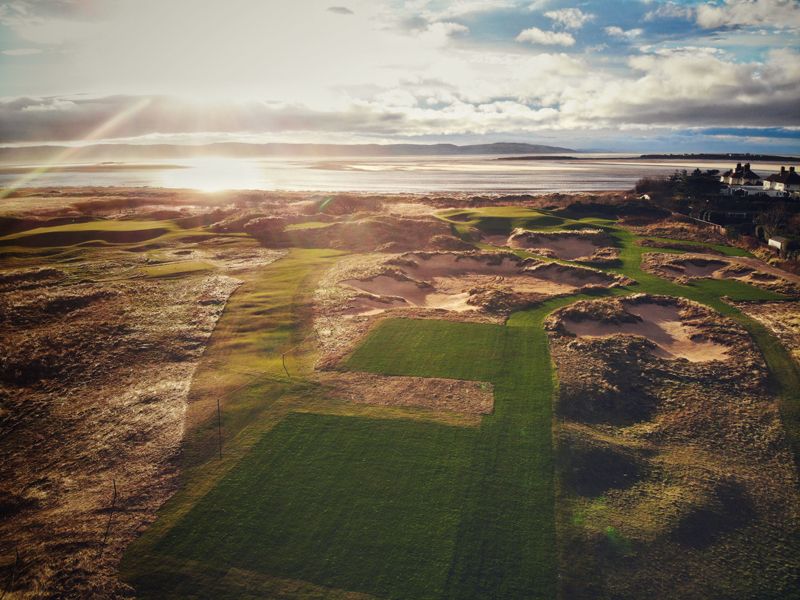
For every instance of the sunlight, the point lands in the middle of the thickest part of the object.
(216, 174)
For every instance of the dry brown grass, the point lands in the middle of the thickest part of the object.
(677, 478)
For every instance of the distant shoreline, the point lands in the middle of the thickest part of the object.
(739, 157)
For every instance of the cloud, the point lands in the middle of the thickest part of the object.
(570, 18)
(777, 14)
(22, 51)
(670, 10)
(370, 76)
(534, 35)
(556, 92)
(340, 10)
(62, 119)
(435, 11)
(50, 22)
(538, 5)
(620, 33)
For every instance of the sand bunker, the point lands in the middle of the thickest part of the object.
(465, 282)
(582, 244)
(662, 324)
(455, 395)
(696, 267)
(684, 267)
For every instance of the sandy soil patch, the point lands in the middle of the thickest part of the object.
(582, 244)
(684, 267)
(589, 245)
(472, 397)
(461, 281)
(482, 287)
(662, 324)
(409, 209)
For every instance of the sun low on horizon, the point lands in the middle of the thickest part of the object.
(656, 75)
(400, 299)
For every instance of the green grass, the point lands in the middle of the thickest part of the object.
(507, 538)
(361, 504)
(726, 250)
(500, 219)
(100, 225)
(103, 232)
(431, 348)
(307, 225)
(176, 269)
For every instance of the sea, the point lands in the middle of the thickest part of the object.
(428, 174)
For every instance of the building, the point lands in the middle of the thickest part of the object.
(785, 181)
(741, 175)
(780, 243)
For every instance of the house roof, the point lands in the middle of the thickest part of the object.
(786, 177)
(741, 172)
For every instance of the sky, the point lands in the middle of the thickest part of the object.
(626, 75)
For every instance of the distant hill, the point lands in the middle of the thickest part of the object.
(729, 156)
(122, 152)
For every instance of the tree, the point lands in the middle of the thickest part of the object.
(775, 220)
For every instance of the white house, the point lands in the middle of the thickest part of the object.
(780, 243)
(741, 175)
(785, 181)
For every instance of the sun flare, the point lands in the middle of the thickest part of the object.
(216, 174)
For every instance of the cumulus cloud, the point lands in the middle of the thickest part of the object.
(534, 35)
(619, 32)
(778, 14)
(570, 18)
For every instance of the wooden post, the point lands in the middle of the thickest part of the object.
(110, 516)
(283, 360)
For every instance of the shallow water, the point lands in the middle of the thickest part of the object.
(380, 175)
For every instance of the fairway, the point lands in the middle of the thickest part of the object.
(507, 536)
(361, 504)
